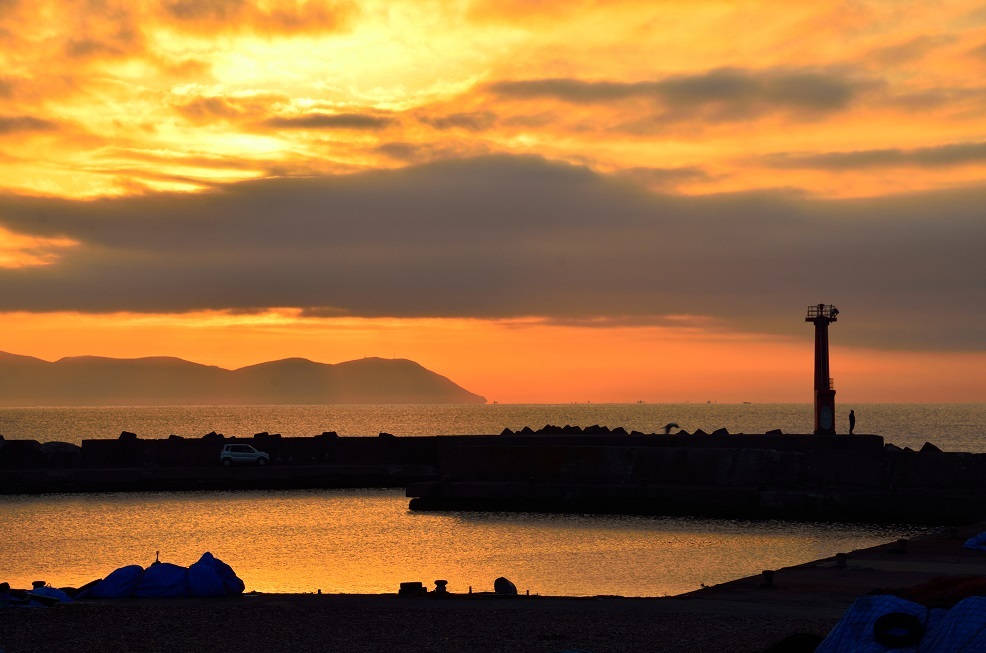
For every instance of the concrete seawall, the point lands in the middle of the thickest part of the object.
(846, 478)
(747, 476)
(131, 464)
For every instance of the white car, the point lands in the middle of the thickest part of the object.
(242, 453)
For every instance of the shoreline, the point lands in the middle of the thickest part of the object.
(747, 614)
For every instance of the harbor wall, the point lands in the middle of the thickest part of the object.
(843, 478)
(850, 478)
(134, 464)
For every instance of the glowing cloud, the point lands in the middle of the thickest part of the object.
(22, 251)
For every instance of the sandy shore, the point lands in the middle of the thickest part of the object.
(302, 623)
(747, 615)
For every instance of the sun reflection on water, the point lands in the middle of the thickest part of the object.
(366, 541)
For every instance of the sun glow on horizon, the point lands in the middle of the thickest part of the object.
(560, 363)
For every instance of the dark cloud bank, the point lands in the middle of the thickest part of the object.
(506, 236)
(939, 156)
(732, 93)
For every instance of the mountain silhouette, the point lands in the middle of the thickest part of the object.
(163, 381)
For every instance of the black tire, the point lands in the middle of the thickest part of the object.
(227, 462)
(261, 461)
(898, 630)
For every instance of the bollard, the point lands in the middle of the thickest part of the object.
(440, 587)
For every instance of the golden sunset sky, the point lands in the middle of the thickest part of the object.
(546, 201)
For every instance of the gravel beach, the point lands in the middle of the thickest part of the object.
(309, 623)
(747, 615)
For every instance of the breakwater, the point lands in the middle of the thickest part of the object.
(132, 464)
(844, 478)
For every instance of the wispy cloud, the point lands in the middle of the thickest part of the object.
(665, 178)
(475, 121)
(951, 154)
(305, 87)
(16, 124)
(330, 121)
(204, 109)
(908, 51)
(7, 86)
(300, 16)
(731, 94)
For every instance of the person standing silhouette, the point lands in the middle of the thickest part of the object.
(852, 421)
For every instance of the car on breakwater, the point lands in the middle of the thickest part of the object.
(242, 453)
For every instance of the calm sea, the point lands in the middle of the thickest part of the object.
(952, 427)
(367, 540)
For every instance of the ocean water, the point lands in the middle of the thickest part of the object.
(367, 541)
(952, 427)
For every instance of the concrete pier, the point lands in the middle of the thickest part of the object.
(932, 569)
(812, 477)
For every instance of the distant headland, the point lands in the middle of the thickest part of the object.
(163, 381)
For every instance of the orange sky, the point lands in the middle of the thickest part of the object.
(604, 201)
(525, 361)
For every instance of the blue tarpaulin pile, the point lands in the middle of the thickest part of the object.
(41, 595)
(889, 624)
(209, 577)
(976, 542)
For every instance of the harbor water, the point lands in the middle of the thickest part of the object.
(358, 541)
(367, 541)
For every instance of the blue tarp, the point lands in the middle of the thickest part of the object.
(204, 581)
(962, 628)
(209, 577)
(977, 542)
(50, 593)
(120, 584)
(163, 579)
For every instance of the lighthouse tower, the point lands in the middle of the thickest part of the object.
(821, 315)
